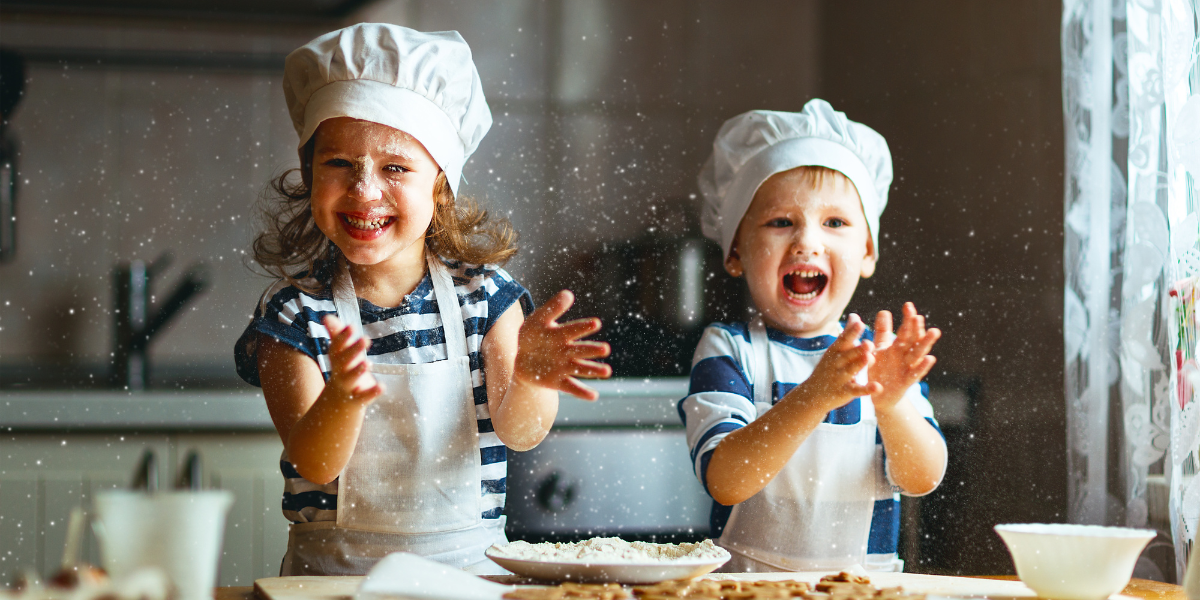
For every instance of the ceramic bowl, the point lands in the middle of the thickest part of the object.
(1074, 562)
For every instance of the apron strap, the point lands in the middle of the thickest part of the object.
(761, 372)
(452, 322)
(345, 300)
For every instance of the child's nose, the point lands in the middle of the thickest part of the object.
(365, 188)
(807, 242)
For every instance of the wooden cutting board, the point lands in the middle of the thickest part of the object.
(343, 588)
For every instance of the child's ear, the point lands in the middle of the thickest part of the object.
(868, 263)
(733, 263)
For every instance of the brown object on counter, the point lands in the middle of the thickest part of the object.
(571, 591)
(843, 586)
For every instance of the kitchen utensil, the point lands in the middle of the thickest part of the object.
(145, 477)
(633, 573)
(179, 532)
(1074, 562)
(191, 475)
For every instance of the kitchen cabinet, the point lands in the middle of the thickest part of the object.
(44, 475)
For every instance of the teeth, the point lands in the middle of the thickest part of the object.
(808, 296)
(805, 274)
(361, 224)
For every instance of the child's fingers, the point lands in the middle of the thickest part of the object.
(554, 308)
(368, 394)
(587, 349)
(580, 328)
(591, 369)
(849, 336)
(572, 386)
(923, 367)
(863, 389)
(883, 329)
(921, 349)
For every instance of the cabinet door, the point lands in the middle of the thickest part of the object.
(246, 464)
(44, 476)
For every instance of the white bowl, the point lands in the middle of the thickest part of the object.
(1074, 562)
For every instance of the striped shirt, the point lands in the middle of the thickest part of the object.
(720, 400)
(407, 334)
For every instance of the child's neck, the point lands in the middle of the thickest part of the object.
(387, 283)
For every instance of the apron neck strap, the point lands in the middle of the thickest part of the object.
(346, 301)
(761, 368)
(452, 323)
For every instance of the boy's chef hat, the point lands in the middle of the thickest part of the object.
(753, 146)
(424, 84)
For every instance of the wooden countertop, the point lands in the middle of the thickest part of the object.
(1138, 588)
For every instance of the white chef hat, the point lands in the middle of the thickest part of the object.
(424, 84)
(753, 146)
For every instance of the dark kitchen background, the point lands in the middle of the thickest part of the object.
(153, 127)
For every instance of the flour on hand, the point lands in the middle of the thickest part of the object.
(609, 551)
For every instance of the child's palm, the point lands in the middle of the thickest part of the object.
(350, 370)
(552, 354)
(901, 358)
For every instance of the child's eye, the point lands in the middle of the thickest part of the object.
(337, 162)
(780, 222)
(836, 222)
(396, 169)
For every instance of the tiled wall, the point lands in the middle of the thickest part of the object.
(602, 109)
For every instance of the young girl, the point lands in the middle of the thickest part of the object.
(395, 361)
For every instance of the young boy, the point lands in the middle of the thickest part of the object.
(801, 427)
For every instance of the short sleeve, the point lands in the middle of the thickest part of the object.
(502, 292)
(719, 399)
(286, 314)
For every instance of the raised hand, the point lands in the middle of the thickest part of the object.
(834, 379)
(901, 359)
(553, 355)
(350, 371)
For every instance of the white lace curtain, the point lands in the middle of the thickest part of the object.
(1132, 113)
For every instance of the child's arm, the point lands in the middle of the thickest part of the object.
(529, 361)
(318, 421)
(916, 452)
(749, 458)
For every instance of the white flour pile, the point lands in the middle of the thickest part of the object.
(610, 550)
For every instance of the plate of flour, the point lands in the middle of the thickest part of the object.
(609, 560)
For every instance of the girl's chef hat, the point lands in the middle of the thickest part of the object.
(424, 84)
(753, 146)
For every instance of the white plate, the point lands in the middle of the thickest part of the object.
(635, 573)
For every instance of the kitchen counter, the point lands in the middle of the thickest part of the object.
(1137, 588)
(634, 402)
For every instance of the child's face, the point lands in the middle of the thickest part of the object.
(372, 190)
(803, 250)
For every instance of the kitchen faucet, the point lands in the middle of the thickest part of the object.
(135, 324)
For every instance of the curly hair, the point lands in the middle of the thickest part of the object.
(292, 248)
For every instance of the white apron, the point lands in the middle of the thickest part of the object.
(815, 515)
(413, 481)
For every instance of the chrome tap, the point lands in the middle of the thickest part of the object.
(135, 324)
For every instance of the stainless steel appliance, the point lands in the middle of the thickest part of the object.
(615, 467)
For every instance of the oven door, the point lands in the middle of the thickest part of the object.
(635, 483)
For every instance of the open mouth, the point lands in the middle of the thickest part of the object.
(804, 285)
(366, 224)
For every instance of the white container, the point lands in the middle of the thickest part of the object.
(179, 532)
(1074, 562)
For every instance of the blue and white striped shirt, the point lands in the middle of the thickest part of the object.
(408, 334)
(720, 400)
